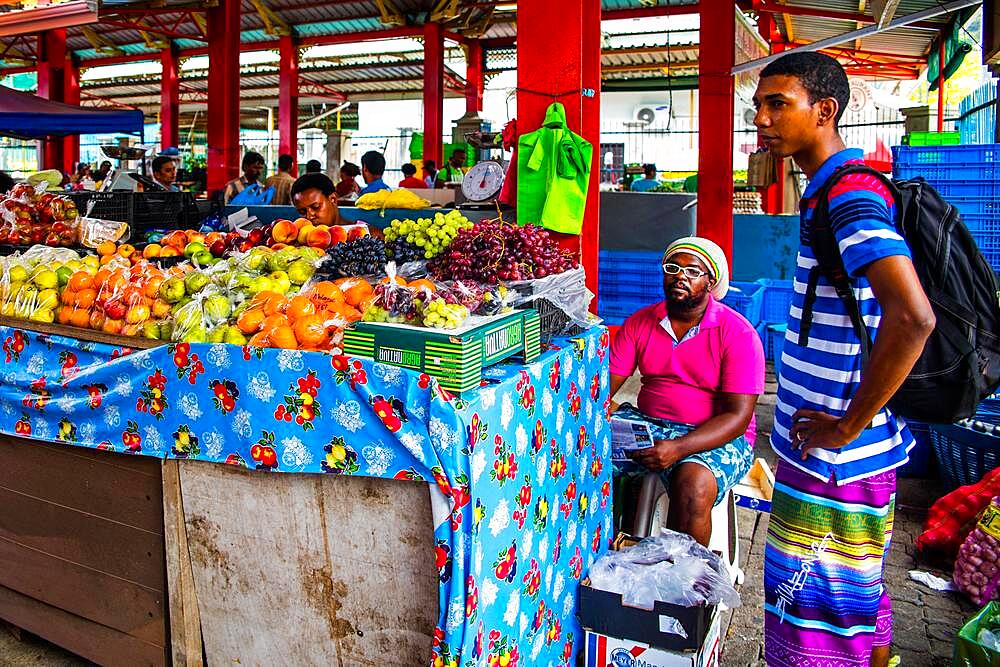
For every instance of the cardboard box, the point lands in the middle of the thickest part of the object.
(604, 651)
(756, 488)
(456, 359)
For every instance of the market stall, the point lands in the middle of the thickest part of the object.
(445, 451)
(28, 116)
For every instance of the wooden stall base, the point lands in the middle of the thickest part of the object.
(81, 543)
(90, 335)
(299, 569)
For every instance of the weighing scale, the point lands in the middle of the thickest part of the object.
(121, 177)
(482, 183)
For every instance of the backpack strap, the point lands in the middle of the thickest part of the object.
(830, 263)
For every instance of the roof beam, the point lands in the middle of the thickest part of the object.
(274, 25)
(648, 12)
(907, 20)
(789, 11)
(46, 17)
(883, 11)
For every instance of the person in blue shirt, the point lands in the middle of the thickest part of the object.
(649, 182)
(372, 168)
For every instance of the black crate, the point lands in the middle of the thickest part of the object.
(143, 211)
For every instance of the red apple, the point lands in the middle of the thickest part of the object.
(218, 248)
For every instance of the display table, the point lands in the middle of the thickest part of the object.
(518, 475)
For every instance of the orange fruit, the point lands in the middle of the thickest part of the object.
(283, 337)
(152, 286)
(107, 259)
(80, 318)
(80, 280)
(97, 318)
(272, 322)
(112, 326)
(85, 298)
(357, 292)
(106, 248)
(160, 309)
(126, 250)
(327, 290)
(114, 284)
(299, 307)
(152, 250)
(275, 305)
(68, 297)
(131, 330)
(310, 330)
(259, 339)
(399, 280)
(170, 251)
(422, 283)
(132, 295)
(251, 320)
(100, 277)
(137, 314)
(65, 315)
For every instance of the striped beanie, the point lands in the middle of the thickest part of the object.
(709, 253)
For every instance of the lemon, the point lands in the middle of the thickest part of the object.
(91, 263)
(45, 315)
(46, 279)
(47, 298)
(17, 274)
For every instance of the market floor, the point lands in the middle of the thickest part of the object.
(925, 621)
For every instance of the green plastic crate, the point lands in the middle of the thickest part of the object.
(457, 360)
(933, 139)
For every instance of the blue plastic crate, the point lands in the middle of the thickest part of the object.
(955, 190)
(981, 224)
(963, 455)
(632, 275)
(921, 455)
(777, 300)
(976, 205)
(747, 299)
(615, 311)
(774, 343)
(948, 172)
(972, 154)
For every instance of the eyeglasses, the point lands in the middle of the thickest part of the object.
(690, 271)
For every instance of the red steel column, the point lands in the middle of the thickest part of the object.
(433, 92)
(474, 78)
(223, 93)
(715, 123)
(940, 108)
(170, 99)
(591, 131)
(772, 197)
(51, 86)
(288, 99)
(71, 95)
(549, 61)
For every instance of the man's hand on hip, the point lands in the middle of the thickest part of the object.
(812, 429)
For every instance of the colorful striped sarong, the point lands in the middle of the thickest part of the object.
(824, 601)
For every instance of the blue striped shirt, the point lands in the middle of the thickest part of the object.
(826, 374)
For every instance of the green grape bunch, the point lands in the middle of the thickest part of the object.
(426, 237)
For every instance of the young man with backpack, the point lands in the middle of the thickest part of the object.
(838, 442)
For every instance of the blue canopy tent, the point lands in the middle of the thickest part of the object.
(27, 116)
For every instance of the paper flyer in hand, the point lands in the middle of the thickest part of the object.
(628, 435)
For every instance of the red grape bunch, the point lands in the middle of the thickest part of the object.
(491, 251)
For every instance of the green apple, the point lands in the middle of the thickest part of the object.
(152, 330)
(203, 258)
(188, 318)
(240, 280)
(74, 265)
(172, 290)
(300, 271)
(63, 273)
(234, 336)
(261, 284)
(17, 274)
(195, 282)
(196, 334)
(257, 259)
(281, 282)
(193, 248)
(217, 308)
(166, 330)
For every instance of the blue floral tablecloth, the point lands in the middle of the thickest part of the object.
(519, 469)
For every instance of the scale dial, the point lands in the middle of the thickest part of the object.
(483, 182)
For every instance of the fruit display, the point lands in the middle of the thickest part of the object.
(492, 251)
(29, 217)
(424, 238)
(361, 257)
(301, 232)
(423, 303)
(401, 199)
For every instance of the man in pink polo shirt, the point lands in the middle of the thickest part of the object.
(702, 368)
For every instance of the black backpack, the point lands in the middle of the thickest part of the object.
(960, 364)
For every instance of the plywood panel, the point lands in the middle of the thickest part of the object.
(310, 569)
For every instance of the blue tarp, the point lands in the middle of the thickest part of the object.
(28, 116)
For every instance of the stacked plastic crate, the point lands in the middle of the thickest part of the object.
(969, 178)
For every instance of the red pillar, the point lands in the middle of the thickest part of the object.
(715, 123)
(591, 52)
(474, 78)
(556, 65)
(433, 92)
(223, 93)
(51, 86)
(288, 99)
(170, 99)
(71, 95)
(772, 198)
(940, 108)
